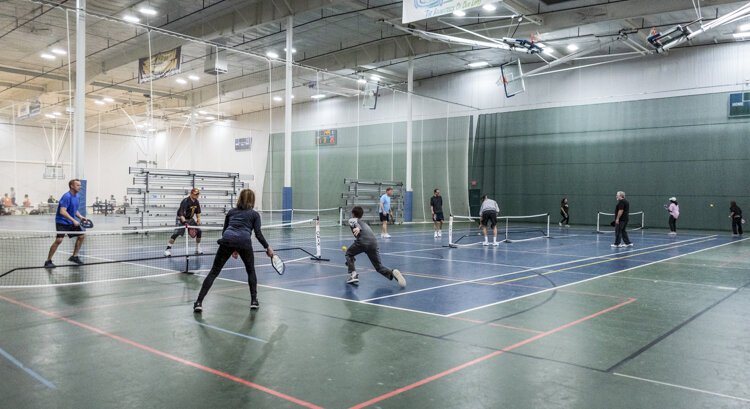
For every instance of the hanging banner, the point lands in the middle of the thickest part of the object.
(415, 10)
(159, 65)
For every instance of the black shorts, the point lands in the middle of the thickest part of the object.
(438, 217)
(181, 230)
(68, 227)
(384, 217)
(490, 217)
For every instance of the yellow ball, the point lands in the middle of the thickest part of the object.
(343, 248)
(711, 205)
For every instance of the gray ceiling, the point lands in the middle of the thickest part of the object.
(340, 37)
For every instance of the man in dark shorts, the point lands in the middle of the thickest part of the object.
(621, 221)
(488, 213)
(189, 214)
(67, 220)
(436, 205)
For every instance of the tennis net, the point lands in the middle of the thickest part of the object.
(467, 231)
(117, 255)
(605, 221)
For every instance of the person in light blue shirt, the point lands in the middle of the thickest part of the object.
(384, 209)
(67, 219)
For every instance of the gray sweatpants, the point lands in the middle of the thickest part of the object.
(371, 249)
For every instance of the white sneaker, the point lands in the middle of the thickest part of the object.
(399, 277)
(629, 245)
(198, 250)
(440, 234)
(435, 235)
(387, 236)
(495, 243)
(486, 243)
(567, 225)
(614, 246)
(353, 278)
(167, 253)
(559, 224)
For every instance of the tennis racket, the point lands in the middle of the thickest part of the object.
(278, 264)
(87, 224)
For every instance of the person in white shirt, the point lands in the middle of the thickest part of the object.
(674, 212)
(488, 213)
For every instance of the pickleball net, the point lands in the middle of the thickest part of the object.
(467, 231)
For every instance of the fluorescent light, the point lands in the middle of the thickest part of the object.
(362, 81)
(278, 98)
(131, 19)
(50, 116)
(58, 51)
(294, 50)
(572, 47)
(375, 77)
(57, 113)
(741, 35)
(459, 13)
(181, 81)
(548, 51)
(478, 64)
(489, 7)
(140, 126)
(108, 99)
(98, 102)
(292, 96)
(209, 117)
(318, 96)
(147, 11)
(744, 27)
(193, 77)
(47, 56)
(272, 54)
(203, 112)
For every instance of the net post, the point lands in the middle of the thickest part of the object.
(507, 235)
(598, 216)
(643, 220)
(548, 217)
(341, 216)
(450, 231)
(318, 252)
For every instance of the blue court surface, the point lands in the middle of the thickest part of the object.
(449, 281)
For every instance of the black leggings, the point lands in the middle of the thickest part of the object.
(737, 225)
(672, 224)
(222, 255)
(565, 218)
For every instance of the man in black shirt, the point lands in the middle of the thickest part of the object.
(189, 209)
(436, 205)
(621, 221)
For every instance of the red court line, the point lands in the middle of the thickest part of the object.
(497, 325)
(488, 356)
(163, 354)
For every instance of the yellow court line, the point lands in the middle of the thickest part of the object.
(629, 255)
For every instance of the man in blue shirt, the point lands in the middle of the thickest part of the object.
(384, 209)
(67, 220)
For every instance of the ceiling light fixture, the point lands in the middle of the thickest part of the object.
(746, 34)
(193, 77)
(50, 116)
(57, 113)
(362, 81)
(478, 64)
(147, 11)
(98, 102)
(278, 98)
(108, 99)
(744, 27)
(58, 51)
(294, 50)
(131, 19)
(572, 47)
(181, 81)
(489, 7)
(459, 13)
(375, 77)
(203, 112)
(272, 55)
(47, 56)
(318, 96)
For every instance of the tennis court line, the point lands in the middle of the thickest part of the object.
(637, 378)
(488, 356)
(26, 369)
(607, 257)
(225, 331)
(162, 354)
(595, 278)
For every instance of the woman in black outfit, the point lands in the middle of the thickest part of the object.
(736, 216)
(564, 212)
(239, 225)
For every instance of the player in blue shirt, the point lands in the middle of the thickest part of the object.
(67, 219)
(384, 209)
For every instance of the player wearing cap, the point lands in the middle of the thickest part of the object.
(189, 214)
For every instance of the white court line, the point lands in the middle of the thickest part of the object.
(26, 369)
(593, 278)
(681, 387)
(607, 257)
(226, 331)
(257, 265)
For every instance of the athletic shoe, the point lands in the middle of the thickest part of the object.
(168, 253)
(435, 235)
(353, 278)
(629, 245)
(198, 250)
(495, 243)
(254, 305)
(75, 259)
(197, 307)
(485, 243)
(567, 225)
(49, 264)
(399, 277)
(440, 233)
(387, 236)
(559, 224)
(614, 246)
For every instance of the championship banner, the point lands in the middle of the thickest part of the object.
(159, 65)
(415, 10)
